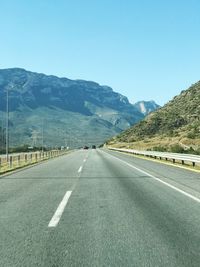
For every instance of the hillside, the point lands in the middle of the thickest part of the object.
(64, 111)
(175, 125)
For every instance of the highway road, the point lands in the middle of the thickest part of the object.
(100, 208)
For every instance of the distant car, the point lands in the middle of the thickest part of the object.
(85, 147)
(93, 147)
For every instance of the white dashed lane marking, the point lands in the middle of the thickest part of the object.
(57, 215)
(80, 169)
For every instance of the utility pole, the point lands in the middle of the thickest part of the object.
(1, 138)
(34, 137)
(7, 124)
(69, 139)
(43, 135)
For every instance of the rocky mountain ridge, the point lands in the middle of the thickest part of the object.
(69, 111)
(146, 107)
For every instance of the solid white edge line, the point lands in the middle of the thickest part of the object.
(157, 179)
(80, 169)
(57, 215)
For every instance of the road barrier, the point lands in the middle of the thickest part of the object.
(23, 159)
(174, 157)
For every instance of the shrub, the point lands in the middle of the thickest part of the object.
(160, 148)
(177, 149)
(191, 135)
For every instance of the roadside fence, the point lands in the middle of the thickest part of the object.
(24, 159)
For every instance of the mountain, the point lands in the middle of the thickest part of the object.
(175, 126)
(62, 111)
(146, 107)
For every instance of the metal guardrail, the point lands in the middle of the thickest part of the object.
(194, 159)
(23, 159)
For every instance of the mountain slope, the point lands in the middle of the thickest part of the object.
(67, 111)
(177, 123)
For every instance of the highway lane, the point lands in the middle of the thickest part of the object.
(116, 215)
(177, 176)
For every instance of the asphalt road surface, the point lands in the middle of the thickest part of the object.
(100, 208)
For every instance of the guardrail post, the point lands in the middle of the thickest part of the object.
(183, 162)
(10, 162)
(193, 164)
(174, 161)
(36, 157)
(25, 157)
(0, 164)
(166, 158)
(18, 160)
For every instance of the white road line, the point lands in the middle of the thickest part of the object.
(157, 179)
(57, 215)
(80, 169)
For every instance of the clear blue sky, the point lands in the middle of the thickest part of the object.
(144, 49)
